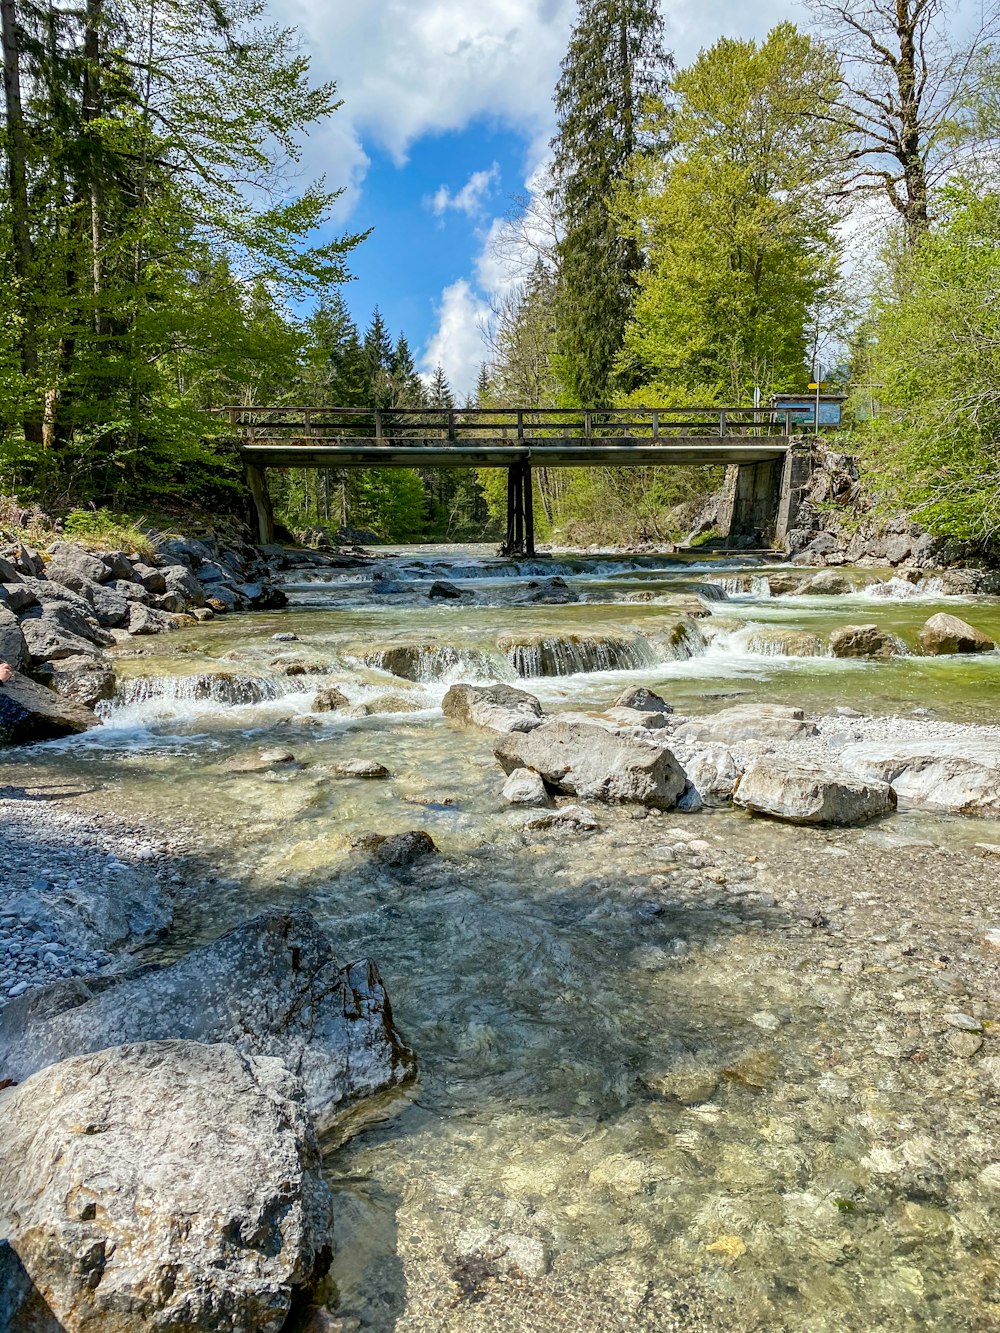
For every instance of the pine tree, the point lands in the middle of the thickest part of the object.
(377, 362)
(407, 389)
(440, 394)
(613, 74)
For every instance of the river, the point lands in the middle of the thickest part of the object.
(677, 1071)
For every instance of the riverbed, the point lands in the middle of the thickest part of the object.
(679, 1070)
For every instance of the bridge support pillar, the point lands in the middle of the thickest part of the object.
(257, 481)
(520, 538)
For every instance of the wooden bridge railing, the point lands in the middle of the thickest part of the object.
(482, 425)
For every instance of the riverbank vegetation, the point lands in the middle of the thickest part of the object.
(824, 195)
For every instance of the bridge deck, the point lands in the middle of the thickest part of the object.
(680, 451)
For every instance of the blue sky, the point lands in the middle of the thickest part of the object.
(447, 114)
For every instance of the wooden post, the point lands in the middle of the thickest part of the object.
(508, 546)
(529, 510)
(257, 481)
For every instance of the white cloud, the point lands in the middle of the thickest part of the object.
(471, 197)
(458, 343)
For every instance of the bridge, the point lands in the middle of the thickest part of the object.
(766, 461)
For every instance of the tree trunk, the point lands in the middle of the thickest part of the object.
(17, 181)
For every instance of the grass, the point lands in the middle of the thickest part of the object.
(94, 529)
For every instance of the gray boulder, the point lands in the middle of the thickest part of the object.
(865, 641)
(594, 763)
(86, 680)
(13, 649)
(959, 776)
(645, 701)
(57, 595)
(826, 583)
(443, 589)
(329, 700)
(948, 634)
(150, 577)
(69, 562)
(711, 769)
(270, 987)
(525, 787)
(118, 564)
(162, 1188)
(747, 722)
(30, 712)
(48, 639)
(144, 619)
(16, 596)
(177, 578)
(807, 794)
(8, 572)
(497, 708)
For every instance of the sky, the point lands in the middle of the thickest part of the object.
(446, 118)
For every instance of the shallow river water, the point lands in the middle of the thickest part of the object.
(678, 1071)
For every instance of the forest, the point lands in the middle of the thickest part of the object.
(823, 201)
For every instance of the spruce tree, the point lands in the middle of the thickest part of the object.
(377, 362)
(440, 394)
(614, 72)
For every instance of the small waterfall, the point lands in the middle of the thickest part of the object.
(574, 654)
(429, 662)
(221, 687)
(742, 585)
(684, 639)
(713, 590)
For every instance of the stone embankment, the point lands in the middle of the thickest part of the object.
(61, 612)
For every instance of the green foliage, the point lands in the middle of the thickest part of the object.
(737, 224)
(615, 67)
(935, 353)
(101, 530)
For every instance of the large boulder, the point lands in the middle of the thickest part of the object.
(13, 649)
(270, 987)
(711, 769)
(807, 794)
(497, 708)
(865, 641)
(178, 578)
(944, 633)
(68, 563)
(594, 763)
(166, 1187)
(85, 680)
(16, 596)
(640, 699)
(826, 583)
(959, 776)
(30, 712)
(747, 722)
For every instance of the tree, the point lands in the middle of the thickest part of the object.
(376, 354)
(407, 389)
(737, 225)
(439, 393)
(146, 148)
(935, 353)
(614, 69)
(906, 95)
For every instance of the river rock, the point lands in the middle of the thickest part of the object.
(329, 700)
(711, 769)
(13, 649)
(566, 817)
(165, 1187)
(397, 849)
(807, 794)
(30, 712)
(361, 768)
(443, 589)
(589, 761)
(525, 787)
(270, 987)
(144, 619)
(178, 578)
(86, 680)
(944, 633)
(958, 776)
(151, 578)
(748, 722)
(546, 654)
(411, 661)
(118, 565)
(826, 583)
(865, 641)
(634, 717)
(497, 708)
(384, 703)
(638, 697)
(16, 596)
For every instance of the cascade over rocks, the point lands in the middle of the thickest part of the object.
(945, 633)
(805, 793)
(545, 654)
(593, 763)
(782, 642)
(165, 1187)
(497, 708)
(270, 987)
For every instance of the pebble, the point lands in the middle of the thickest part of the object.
(964, 1044)
(963, 1021)
(285, 637)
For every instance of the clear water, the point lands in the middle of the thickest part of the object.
(645, 1062)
